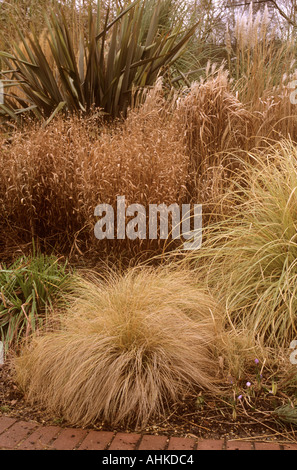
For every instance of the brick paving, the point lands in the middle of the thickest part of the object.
(22, 435)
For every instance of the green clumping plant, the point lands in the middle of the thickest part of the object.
(286, 413)
(28, 290)
(104, 67)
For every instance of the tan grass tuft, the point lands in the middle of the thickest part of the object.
(128, 348)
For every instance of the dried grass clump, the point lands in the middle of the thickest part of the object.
(256, 57)
(214, 123)
(277, 113)
(128, 348)
(263, 68)
(54, 177)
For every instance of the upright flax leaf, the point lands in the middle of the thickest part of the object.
(99, 69)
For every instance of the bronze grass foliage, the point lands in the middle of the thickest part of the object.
(53, 178)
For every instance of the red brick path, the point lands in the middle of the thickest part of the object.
(23, 435)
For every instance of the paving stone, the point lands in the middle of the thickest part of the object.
(179, 443)
(6, 422)
(290, 447)
(69, 439)
(40, 439)
(266, 446)
(16, 433)
(124, 441)
(239, 445)
(153, 443)
(210, 444)
(96, 440)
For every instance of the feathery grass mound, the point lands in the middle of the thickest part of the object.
(127, 349)
(251, 257)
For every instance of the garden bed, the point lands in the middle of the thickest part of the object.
(213, 420)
